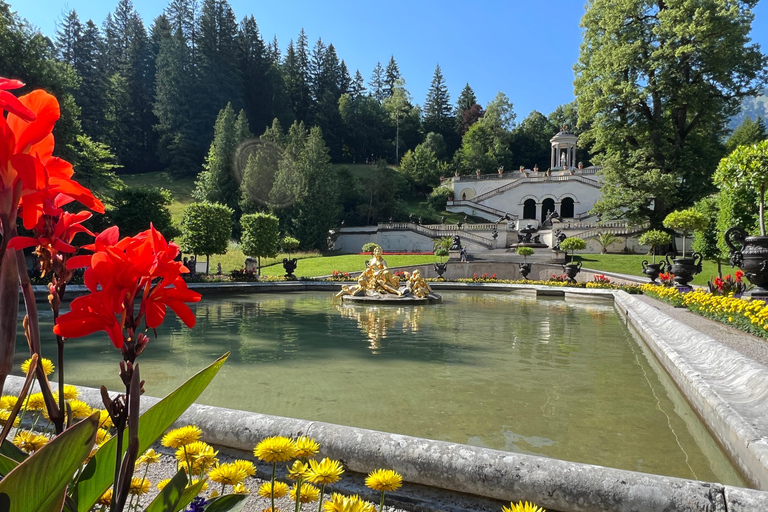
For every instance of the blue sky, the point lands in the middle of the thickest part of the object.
(524, 49)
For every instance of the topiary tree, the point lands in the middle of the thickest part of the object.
(134, 209)
(261, 236)
(687, 220)
(525, 252)
(655, 238)
(288, 243)
(206, 229)
(746, 168)
(573, 244)
(370, 246)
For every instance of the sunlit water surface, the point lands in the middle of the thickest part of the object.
(544, 377)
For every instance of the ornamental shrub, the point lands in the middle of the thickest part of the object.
(686, 221)
(261, 236)
(655, 238)
(370, 246)
(206, 229)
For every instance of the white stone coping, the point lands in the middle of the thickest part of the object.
(728, 391)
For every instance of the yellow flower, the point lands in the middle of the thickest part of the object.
(298, 470)
(29, 441)
(266, 490)
(240, 489)
(8, 402)
(70, 392)
(79, 409)
(182, 436)
(275, 449)
(341, 503)
(102, 436)
(201, 455)
(195, 481)
(306, 447)
(5, 416)
(105, 421)
(246, 466)
(309, 493)
(227, 474)
(384, 480)
(162, 483)
(148, 457)
(106, 498)
(325, 472)
(35, 402)
(139, 486)
(522, 507)
(46, 363)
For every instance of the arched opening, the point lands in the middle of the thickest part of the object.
(464, 196)
(566, 207)
(547, 207)
(529, 209)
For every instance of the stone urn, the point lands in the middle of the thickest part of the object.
(684, 269)
(571, 270)
(525, 269)
(440, 268)
(751, 258)
(290, 266)
(653, 270)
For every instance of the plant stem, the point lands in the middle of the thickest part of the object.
(381, 505)
(322, 494)
(298, 494)
(272, 490)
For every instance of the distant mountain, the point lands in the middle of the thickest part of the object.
(752, 107)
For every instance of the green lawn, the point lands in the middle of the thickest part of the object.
(346, 263)
(632, 264)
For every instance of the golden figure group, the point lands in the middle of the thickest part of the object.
(377, 279)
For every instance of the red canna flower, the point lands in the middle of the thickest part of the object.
(739, 275)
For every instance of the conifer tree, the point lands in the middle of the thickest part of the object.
(376, 83)
(391, 76)
(358, 85)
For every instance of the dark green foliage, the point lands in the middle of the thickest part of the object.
(94, 166)
(439, 197)
(261, 235)
(736, 207)
(133, 209)
(748, 132)
(705, 240)
(377, 84)
(656, 93)
(206, 228)
(530, 141)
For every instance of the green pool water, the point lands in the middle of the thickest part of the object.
(546, 377)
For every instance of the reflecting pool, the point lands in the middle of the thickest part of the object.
(540, 376)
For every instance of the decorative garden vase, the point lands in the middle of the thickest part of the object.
(525, 269)
(751, 258)
(684, 269)
(653, 270)
(440, 268)
(289, 266)
(571, 270)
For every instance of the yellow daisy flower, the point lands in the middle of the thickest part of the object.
(306, 447)
(148, 457)
(325, 472)
(298, 470)
(8, 402)
(70, 392)
(35, 402)
(29, 441)
(275, 449)
(139, 486)
(341, 503)
(162, 483)
(246, 466)
(227, 474)
(266, 490)
(240, 489)
(195, 481)
(5, 416)
(80, 409)
(309, 493)
(46, 363)
(384, 480)
(105, 421)
(102, 436)
(106, 498)
(182, 436)
(522, 507)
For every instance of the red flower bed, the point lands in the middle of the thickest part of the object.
(398, 253)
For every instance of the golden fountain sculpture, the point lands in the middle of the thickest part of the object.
(378, 284)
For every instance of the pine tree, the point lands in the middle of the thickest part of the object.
(391, 76)
(748, 132)
(70, 30)
(88, 64)
(467, 98)
(254, 67)
(345, 82)
(317, 80)
(358, 85)
(437, 106)
(376, 83)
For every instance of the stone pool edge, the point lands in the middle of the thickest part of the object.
(703, 369)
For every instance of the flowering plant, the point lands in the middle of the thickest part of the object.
(666, 278)
(600, 278)
(132, 283)
(729, 286)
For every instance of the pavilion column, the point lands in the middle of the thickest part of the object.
(552, 159)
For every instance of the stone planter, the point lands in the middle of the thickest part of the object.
(653, 270)
(751, 258)
(684, 269)
(571, 270)
(290, 266)
(440, 268)
(525, 269)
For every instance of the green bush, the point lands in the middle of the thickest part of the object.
(206, 228)
(686, 221)
(261, 236)
(134, 209)
(369, 247)
(438, 198)
(655, 238)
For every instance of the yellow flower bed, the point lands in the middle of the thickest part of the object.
(748, 315)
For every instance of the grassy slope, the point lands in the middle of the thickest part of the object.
(181, 188)
(346, 263)
(632, 264)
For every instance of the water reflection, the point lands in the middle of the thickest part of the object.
(376, 321)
